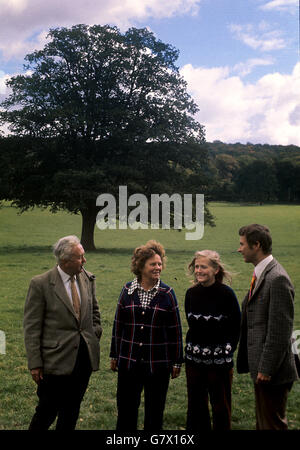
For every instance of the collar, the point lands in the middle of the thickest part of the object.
(136, 285)
(64, 276)
(262, 265)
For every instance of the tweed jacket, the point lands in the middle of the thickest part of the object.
(267, 326)
(152, 334)
(51, 330)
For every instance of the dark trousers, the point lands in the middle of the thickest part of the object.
(270, 406)
(208, 384)
(130, 386)
(61, 395)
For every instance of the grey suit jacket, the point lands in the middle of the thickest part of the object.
(51, 329)
(267, 326)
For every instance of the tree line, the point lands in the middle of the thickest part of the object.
(254, 172)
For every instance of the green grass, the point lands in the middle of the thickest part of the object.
(25, 250)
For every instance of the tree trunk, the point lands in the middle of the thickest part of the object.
(88, 227)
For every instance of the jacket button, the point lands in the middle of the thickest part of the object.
(143, 312)
(141, 344)
(142, 327)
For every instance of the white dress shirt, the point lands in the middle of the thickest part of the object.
(261, 266)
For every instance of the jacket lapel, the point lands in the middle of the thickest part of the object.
(262, 277)
(60, 291)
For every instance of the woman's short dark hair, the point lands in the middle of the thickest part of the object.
(144, 252)
(257, 233)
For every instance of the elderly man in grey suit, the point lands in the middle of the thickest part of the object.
(267, 325)
(62, 331)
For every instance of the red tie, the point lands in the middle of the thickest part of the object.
(252, 286)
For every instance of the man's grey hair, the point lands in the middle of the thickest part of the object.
(62, 249)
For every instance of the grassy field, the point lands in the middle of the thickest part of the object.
(25, 250)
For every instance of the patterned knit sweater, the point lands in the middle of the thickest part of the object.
(213, 316)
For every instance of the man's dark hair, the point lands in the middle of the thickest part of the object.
(257, 233)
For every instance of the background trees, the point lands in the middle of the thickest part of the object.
(256, 182)
(254, 172)
(97, 109)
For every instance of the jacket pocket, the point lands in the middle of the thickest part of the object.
(47, 343)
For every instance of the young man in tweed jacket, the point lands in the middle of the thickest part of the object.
(267, 325)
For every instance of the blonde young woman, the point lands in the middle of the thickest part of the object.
(213, 316)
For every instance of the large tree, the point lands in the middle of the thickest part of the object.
(94, 110)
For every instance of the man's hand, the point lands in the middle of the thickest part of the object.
(37, 374)
(261, 378)
(114, 365)
(175, 372)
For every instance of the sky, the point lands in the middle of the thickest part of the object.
(240, 58)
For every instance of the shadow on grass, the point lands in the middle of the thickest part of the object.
(48, 249)
(25, 249)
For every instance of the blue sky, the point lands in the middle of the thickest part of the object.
(240, 58)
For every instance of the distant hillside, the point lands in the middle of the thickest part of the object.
(255, 151)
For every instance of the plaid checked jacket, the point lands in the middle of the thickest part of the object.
(152, 334)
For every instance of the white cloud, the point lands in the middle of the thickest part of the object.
(244, 68)
(234, 111)
(259, 38)
(295, 116)
(21, 20)
(3, 88)
(281, 5)
(3, 93)
(19, 47)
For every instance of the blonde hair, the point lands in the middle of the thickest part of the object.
(144, 252)
(215, 262)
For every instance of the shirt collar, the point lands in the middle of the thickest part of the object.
(136, 285)
(64, 276)
(262, 265)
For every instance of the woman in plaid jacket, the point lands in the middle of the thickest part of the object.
(146, 345)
